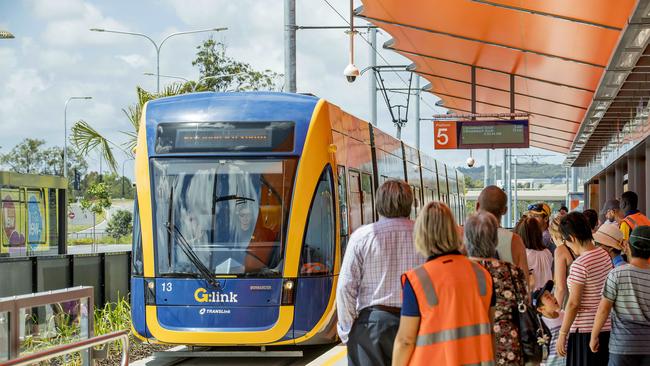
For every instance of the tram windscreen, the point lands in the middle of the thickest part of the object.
(230, 213)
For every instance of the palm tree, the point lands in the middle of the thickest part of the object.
(86, 138)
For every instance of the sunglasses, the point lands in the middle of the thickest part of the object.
(536, 207)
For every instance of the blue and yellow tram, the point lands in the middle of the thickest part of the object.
(244, 204)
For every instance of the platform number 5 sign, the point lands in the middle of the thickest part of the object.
(444, 135)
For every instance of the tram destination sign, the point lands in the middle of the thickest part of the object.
(496, 134)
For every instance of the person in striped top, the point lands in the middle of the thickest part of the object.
(627, 293)
(586, 280)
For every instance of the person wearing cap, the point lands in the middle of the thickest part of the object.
(542, 212)
(545, 304)
(612, 212)
(627, 296)
(610, 238)
(633, 217)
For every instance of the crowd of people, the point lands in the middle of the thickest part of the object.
(571, 288)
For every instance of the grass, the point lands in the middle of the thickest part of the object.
(76, 228)
(126, 240)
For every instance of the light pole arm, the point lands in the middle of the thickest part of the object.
(129, 33)
(191, 32)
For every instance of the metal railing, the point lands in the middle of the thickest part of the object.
(78, 346)
(15, 310)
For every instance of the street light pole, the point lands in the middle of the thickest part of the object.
(167, 76)
(158, 46)
(65, 133)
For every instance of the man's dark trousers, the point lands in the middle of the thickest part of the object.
(371, 338)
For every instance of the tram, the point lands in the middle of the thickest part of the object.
(244, 204)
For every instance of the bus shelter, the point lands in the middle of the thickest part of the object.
(33, 215)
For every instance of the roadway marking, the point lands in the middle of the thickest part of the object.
(334, 357)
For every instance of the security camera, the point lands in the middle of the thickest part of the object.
(351, 72)
(470, 162)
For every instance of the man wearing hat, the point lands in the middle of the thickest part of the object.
(612, 212)
(627, 293)
(542, 212)
(610, 238)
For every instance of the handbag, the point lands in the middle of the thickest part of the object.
(534, 336)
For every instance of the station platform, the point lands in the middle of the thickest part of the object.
(327, 355)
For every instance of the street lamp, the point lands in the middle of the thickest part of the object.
(166, 76)
(123, 165)
(65, 133)
(6, 34)
(158, 46)
(198, 82)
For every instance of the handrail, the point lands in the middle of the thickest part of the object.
(66, 349)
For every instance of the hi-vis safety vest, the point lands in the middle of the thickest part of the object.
(454, 297)
(632, 221)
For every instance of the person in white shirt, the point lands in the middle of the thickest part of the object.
(369, 291)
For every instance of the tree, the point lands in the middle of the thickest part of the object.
(113, 182)
(120, 224)
(96, 199)
(213, 65)
(31, 157)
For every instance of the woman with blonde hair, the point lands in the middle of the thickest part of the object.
(563, 257)
(446, 302)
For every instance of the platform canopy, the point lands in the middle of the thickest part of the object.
(553, 52)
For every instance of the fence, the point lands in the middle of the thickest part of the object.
(108, 273)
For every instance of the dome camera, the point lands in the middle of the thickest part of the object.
(470, 162)
(351, 72)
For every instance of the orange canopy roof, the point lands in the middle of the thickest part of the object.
(557, 51)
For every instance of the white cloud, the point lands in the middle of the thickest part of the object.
(134, 60)
(48, 9)
(7, 58)
(72, 30)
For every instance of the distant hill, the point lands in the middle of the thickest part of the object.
(524, 171)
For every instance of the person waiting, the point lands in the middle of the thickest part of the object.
(510, 287)
(610, 238)
(562, 259)
(368, 294)
(540, 259)
(542, 212)
(612, 212)
(511, 247)
(627, 296)
(633, 217)
(447, 301)
(586, 281)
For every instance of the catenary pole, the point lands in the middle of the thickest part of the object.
(290, 46)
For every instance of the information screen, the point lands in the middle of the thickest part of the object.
(492, 133)
(224, 137)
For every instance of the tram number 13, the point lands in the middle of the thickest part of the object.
(445, 135)
(166, 286)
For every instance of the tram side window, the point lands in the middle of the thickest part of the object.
(318, 247)
(137, 268)
(343, 206)
(367, 199)
(355, 200)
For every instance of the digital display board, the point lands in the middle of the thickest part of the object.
(496, 134)
(225, 137)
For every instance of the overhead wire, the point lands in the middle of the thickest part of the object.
(374, 48)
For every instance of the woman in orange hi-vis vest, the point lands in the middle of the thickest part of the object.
(446, 306)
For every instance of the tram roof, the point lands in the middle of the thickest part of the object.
(558, 52)
(232, 107)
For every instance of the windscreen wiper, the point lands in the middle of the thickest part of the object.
(233, 197)
(205, 272)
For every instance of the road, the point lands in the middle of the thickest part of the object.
(327, 355)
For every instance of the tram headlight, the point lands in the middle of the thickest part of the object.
(288, 291)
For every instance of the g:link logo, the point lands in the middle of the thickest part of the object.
(202, 295)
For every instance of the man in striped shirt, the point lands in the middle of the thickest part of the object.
(369, 291)
(627, 292)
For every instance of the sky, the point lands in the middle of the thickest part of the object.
(54, 56)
